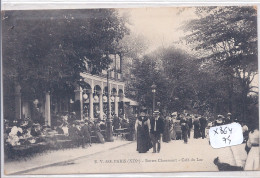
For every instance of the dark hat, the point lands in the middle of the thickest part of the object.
(143, 109)
(75, 122)
(142, 114)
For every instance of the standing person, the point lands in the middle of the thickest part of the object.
(116, 122)
(174, 118)
(85, 132)
(157, 128)
(203, 125)
(228, 119)
(252, 161)
(184, 129)
(97, 132)
(74, 134)
(177, 128)
(196, 124)
(142, 127)
(167, 129)
(219, 121)
(189, 120)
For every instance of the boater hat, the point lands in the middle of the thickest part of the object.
(156, 112)
(174, 114)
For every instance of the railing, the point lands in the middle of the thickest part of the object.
(112, 75)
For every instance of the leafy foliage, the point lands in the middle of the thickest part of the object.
(227, 38)
(47, 50)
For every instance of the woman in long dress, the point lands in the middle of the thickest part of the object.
(196, 124)
(142, 127)
(173, 126)
(167, 130)
(177, 128)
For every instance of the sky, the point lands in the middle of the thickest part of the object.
(159, 25)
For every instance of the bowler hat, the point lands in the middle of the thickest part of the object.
(143, 109)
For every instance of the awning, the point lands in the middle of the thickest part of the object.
(131, 102)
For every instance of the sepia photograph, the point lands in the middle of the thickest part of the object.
(130, 90)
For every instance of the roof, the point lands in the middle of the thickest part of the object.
(131, 102)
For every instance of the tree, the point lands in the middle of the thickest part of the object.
(48, 50)
(173, 72)
(131, 48)
(228, 37)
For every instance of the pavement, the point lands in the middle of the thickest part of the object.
(110, 157)
(174, 156)
(52, 158)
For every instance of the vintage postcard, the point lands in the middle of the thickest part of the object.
(130, 90)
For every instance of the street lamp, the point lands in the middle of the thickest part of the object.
(153, 91)
(109, 134)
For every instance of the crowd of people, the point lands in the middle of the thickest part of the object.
(22, 132)
(80, 132)
(152, 130)
(175, 126)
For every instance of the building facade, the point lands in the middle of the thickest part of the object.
(90, 102)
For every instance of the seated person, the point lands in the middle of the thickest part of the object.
(36, 130)
(102, 125)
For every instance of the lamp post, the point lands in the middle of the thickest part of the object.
(109, 134)
(153, 91)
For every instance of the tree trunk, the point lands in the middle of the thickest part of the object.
(230, 94)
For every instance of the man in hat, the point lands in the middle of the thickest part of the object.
(219, 121)
(203, 125)
(184, 128)
(196, 124)
(74, 134)
(228, 119)
(116, 122)
(85, 132)
(157, 129)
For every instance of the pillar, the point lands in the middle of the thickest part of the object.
(78, 105)
(101, 105)
(116, 105)
(123, 104)
(18, 102)
(48, 109)
(91, 108)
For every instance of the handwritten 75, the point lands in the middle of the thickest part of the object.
(226, 135)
